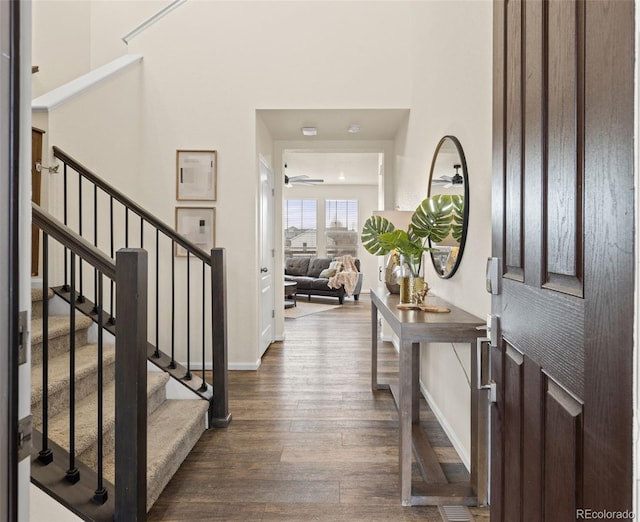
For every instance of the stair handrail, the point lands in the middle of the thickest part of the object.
(74, 242)
(131, 204)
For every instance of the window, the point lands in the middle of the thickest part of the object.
(341, 227)
(300, 227)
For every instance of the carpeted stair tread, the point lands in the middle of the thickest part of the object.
(86, 366)
(37, 295)
(86, 415)
(58, 326)
(172, 431)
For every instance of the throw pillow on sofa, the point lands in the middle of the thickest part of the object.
(327, 273)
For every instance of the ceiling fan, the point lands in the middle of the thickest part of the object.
(302, 179)
(449, 181)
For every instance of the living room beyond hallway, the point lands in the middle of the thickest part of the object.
(308, 439)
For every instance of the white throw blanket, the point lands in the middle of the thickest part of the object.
(348, 276)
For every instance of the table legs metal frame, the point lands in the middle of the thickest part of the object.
(407, 396)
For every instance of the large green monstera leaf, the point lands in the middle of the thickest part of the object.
(458, 217)
(373, 228)
(433, 218)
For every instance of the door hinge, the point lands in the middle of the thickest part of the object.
(22, 338)
(273, 313)
(24, 438)
(273, 192)
(273, 252)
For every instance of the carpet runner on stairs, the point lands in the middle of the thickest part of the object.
(174, 426)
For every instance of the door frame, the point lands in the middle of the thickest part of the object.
(15, 268)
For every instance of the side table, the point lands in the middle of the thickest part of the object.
(290, 289)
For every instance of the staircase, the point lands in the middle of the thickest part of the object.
(173, 426)
(114, 275)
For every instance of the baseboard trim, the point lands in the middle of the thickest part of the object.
(196, 366)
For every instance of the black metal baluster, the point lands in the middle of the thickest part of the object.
(141, 232)
(126, 227)
(187, 376)
(95, 243)
(111, 317)
(203, 386)
(80, 293)
(73, 474)
(64, 215)
(100, 495)
(45, 455)
(172, 364)
(156, 354)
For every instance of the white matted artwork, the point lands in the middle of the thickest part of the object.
(198, 226)
(196, 175)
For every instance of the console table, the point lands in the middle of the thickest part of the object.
(413, 327)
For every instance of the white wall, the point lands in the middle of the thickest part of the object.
(61, 43)
(452, 95)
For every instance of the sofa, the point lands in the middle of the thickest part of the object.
(309, 274)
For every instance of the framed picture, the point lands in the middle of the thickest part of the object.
(196, 175)
(198, 225)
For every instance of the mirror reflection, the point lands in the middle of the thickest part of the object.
(449, 175)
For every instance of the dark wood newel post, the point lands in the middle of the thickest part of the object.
(131, 386)
(219, 416)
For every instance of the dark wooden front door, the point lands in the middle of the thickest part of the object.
(563, 228)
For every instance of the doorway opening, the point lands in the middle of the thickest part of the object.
(327, 196)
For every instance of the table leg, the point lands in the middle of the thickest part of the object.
(405, 410)
(415, 384)
(374, 347)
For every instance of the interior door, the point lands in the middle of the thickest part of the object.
(267, 294)
(563, 229)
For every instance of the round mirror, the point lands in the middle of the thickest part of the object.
(449, 176)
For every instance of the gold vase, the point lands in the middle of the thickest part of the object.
(409, 286)
(412, 280)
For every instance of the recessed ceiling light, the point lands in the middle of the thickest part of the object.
(309, 131)
(353, 128)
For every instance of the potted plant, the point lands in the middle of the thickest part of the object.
(432, 220)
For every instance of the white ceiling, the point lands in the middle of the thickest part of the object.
(358, 168)
(332, 124)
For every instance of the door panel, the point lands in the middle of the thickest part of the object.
(563, 453)
(562, 225)
(513, 382)
(532, 426)
(513, 218)
(564, 144)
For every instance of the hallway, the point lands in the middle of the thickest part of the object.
(308, 439)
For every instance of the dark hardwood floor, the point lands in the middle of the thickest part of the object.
(309, 441)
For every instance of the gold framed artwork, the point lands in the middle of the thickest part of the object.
(196, 175)
(198, 225)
